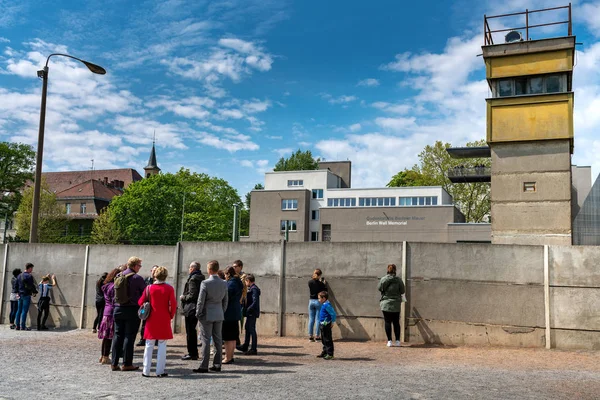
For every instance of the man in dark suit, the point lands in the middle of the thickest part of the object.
(210, 311)
(189, 299)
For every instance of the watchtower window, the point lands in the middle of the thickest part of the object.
(540, 84)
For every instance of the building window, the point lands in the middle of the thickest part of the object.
(289, 204)
(314, 236)
(326, 233)
(290, 224)
(555, 83)
(376, 201)
(82, 208)
(317, 193)
(296, 182)
(341, 202)
(418, 201)
(529, 187)
(68, 207)
(315, 215)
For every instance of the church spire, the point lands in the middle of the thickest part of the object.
(152, 167)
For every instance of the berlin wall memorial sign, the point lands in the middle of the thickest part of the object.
(391, 221)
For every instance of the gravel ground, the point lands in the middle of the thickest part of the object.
(64, 365)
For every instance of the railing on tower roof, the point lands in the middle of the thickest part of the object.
(487, 32)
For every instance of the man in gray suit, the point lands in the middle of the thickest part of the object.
(210, 310)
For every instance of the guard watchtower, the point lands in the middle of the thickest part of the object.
(530, 126)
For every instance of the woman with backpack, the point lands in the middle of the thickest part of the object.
(392, 289)
(163, 307)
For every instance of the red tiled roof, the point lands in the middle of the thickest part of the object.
(60, 181)
(91, 188)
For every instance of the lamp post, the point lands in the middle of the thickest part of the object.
(183, 216)
(43, 73)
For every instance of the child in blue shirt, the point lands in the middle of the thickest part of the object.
(327, 317)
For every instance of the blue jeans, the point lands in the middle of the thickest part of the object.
(22, 309)
(314, 309)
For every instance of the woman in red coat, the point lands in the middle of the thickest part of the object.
(158, 324)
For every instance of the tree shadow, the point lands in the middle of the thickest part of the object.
(290, 354)
(354, 359)
(65, 318)
(272, 346)
(259, 362)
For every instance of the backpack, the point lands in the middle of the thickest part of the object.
(122, 288)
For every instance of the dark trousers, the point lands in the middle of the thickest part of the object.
(250, 333)
(43, 310)
(99, 313)
(191, 335)
(392, 318)
(127, 324)
(14, 306)
(327, 339)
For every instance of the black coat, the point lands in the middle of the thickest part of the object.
(191, 292)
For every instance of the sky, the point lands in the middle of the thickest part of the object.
(228, 87)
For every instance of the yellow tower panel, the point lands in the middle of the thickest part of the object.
(530, 64)
(540, 117)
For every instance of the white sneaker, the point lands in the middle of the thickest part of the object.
(397, 343)
(389, 343)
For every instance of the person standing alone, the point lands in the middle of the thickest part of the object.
(189, 299)
(392, 289)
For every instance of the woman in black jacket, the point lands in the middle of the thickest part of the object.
(14, 297)
(99, 301)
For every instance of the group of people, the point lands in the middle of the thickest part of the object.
(220, 304)
(217, 304)
(23, 288)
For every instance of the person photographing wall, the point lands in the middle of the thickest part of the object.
(44, 302)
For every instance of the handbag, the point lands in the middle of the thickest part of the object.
(144, 310)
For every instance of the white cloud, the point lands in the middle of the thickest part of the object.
(234, 59)
(4, 40)
(370, 82)
(260, 166)
(396, 124)
(392, 108)
(355, 127)
(274, 137)
(344, 99)
(231, 144)
(284, 151)
(590, 13)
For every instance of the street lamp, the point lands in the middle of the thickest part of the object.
(182, 216)
(96, 69)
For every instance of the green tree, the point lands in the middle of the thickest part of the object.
(16, 168)
(150, 210)
(104, 229)
(258, 186)
(52, 218)
(409, 177)
(245, 213)
(298, 161)
(472, 199)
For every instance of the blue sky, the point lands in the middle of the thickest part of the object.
(231, 86)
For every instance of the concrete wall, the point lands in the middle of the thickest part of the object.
(541, 216)
(457, 293)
